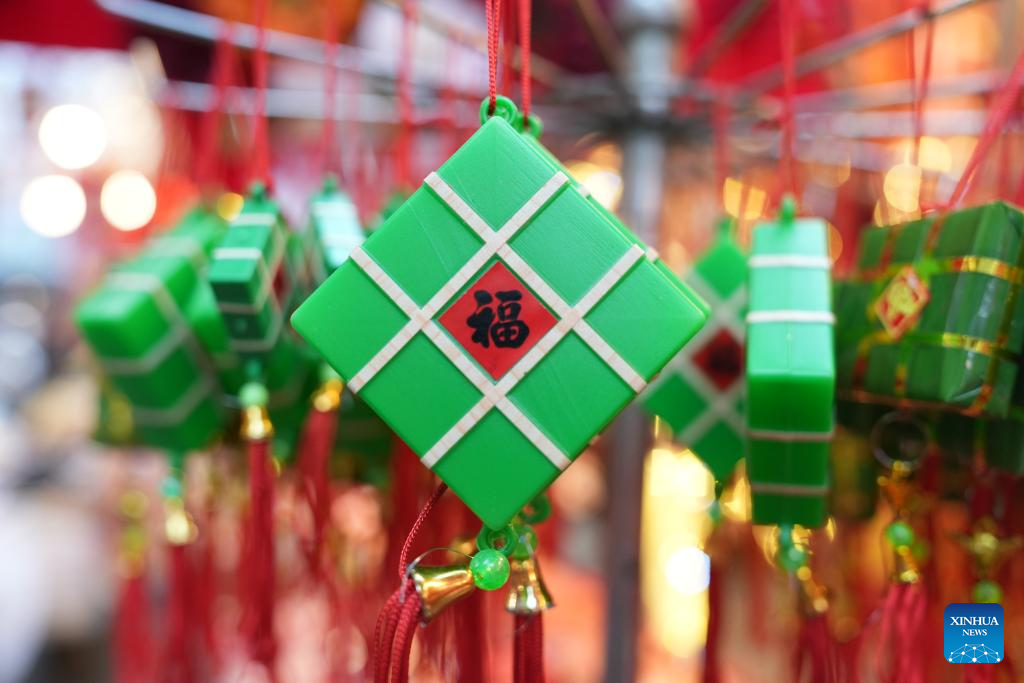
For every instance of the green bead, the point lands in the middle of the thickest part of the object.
(171, 487)
(899, 534)
(792, 557)
(987, 591)
(253, 394)
(490, 569)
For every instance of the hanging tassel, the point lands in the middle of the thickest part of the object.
(710, 673)
(903, 612)
(132, 623)
(528, 652)
(817, 654)
(257, 563)
(317, 444)
(177, 665)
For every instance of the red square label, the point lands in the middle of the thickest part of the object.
(497, 320)
(901, 303)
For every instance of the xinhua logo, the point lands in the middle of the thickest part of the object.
(973, 633)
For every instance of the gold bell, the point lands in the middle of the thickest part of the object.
(256, 425)
(905, 566)
(327, 398)
(527, 593)
(813, 595)
(440, 586)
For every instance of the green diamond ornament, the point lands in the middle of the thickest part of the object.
(700, 394)
(334, 229)
(790, 371)
(498, 321)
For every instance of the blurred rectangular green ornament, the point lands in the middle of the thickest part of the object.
(137, 325)
(497, 321)
(334, 229)
(933, 318)
(700, 394)
(790, 369)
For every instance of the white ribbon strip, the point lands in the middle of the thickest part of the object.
(789, 261)
(790, 316)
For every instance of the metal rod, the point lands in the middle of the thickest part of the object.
(838, 50)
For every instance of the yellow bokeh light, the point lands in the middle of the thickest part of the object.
(732, 198)
(72, 136)
(902, 187)
(127, 200)
(53, 205)
(933, 155)
(603, 182)
(229, 205)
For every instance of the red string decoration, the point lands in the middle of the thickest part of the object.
(528, 649)
(403, 147)
(330, 83)
(221, 70)
(1003, 104)
(317, 442)
(396, 625)
(132, 632)
(261, 132)
(525, 52)
(903, 612)
(493, 10)
(177, 665)
(257, 565)
(788, 17)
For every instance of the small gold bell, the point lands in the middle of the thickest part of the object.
(256, 424)
(327, 397)
(440, 586)
(527, 593)
(906, 568)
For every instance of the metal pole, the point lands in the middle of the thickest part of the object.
(649, 29)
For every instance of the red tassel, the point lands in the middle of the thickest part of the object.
(903, 612)
(201, 599)
(132, 632)
(470, 639)
(816, 654)
(257, 565)
(393, 636)
(979, 673)
(177, 666)
(528, 650)
(711, 669)
(314, 456)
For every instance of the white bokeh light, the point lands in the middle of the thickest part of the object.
(53, 205)
(72, 136)
(128, 200)
(688, 570)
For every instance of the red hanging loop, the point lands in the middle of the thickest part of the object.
(221, 70)
(788, 17)
(919, 85)
(525, 52)
(493, 10)
(403, 146)
(330, 83)
(1003, 104)
(261, 132)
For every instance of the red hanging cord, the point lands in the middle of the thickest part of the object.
(403, 147)
(788, 18)
(177, 666)
(1003, 104)
(919, 85)
(221, 69)
(316, 444)
(261, 133)
(720, 132)
(403, 557)
(493, 10)
(330, 83)
(257, 566)
(525, 51)
(132, 631)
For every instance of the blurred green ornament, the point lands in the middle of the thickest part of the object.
(490, 569)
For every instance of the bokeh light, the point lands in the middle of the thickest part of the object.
(229, 205)
(53, 205)
(128, 200)
(733, 199)
(902, 187)
(688, 570)
(603, 182)
(72, 136)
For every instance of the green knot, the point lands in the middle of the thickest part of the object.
(253, 394)
(504, 108)
(258, 191)
(987, 591)
(787, 210)
(899, 534)
(490, 569)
